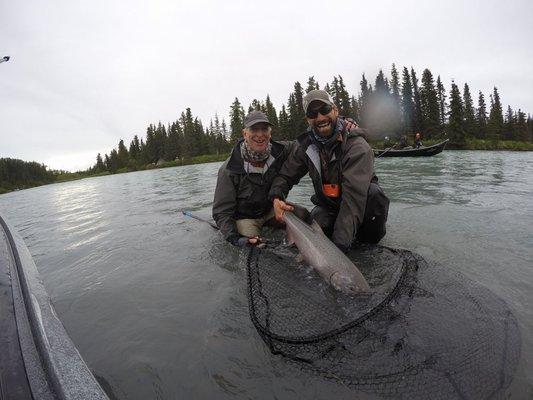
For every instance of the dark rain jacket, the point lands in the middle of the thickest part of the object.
(240, 194)
(349, 160)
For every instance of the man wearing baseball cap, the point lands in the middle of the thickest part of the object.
(349, 203)
(241, 205)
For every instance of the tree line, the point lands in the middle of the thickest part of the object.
(18, 174)
(394, 105)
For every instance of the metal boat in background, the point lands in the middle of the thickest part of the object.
(411, 152)
(38, 360)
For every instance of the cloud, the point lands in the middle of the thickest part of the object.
(85, 75)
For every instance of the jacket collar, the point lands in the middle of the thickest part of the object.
(236, 162)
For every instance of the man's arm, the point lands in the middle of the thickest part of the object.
(224, 205)
(292, 170)
(357, 172)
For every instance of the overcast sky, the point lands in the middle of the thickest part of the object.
(83, 75)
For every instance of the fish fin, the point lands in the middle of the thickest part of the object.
(299, 258)
(316, 227)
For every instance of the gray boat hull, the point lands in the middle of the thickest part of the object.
(38, 359)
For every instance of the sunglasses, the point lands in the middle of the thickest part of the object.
(324, 109)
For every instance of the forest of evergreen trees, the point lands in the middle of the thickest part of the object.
(395, 105)
(18, 174)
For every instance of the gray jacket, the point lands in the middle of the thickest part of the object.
(348, 161)
(241, 194)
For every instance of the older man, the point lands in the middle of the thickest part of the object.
(350, 205)
(241, 205)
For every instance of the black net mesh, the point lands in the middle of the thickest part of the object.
(424, 333)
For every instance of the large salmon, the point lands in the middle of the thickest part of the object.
(319, 252)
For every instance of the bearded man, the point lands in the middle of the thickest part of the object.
(349, 204)
(241, 206)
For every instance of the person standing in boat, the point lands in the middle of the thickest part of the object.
(349, 203)
(241, 205)
(418, 141)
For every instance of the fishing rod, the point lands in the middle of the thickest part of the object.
(196, 217)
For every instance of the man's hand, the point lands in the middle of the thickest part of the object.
(253, 241)
(350, 124)
(280, 207)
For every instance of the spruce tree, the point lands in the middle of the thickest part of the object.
(135, 150)
(396, 98)
(272, 116)
(173, 144)
(455, 119)
(255, 105)
(236, 121)
(150, 150)
(354, 109)
(214, 134)
(293, 119)
(189, 140)
(395, 83)
(441, 95)
(495, 123)
(509, 125)
(113, 163)
(200, 138)
(521, 127)
(311, 84)
(221, 144)
(408, 106)
(341, 97)
(429, 106)
(530, 128)
(364, 99)
(284, 127)
(469, 113)
(99, 167)
(299, 118)
(381, 113)
(481, 117)
(417, 114)
(224, 131)
(122, 155)
(160, 137)
(381, 87)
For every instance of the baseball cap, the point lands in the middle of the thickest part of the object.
(254, 118)
(317, 95)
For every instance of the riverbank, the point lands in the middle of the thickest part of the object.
(471, 144)
(74, 176)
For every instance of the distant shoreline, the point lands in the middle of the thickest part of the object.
(73, 176)
(472, 145)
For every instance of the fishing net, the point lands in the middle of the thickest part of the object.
(424, 332)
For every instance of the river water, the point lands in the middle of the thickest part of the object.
(156, 302)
